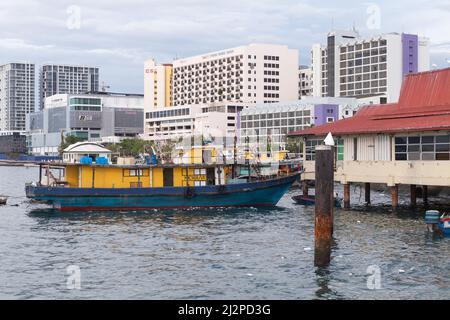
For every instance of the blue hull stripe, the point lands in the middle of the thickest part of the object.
(263, 193)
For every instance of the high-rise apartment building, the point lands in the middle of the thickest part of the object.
(157, 85)
(256, 73)
(305, 83)
(66, 79)
(17, 95)
(352, 66)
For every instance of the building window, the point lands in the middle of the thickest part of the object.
(425, 148)
(310, 149)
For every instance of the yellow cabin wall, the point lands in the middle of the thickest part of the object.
(157, 177)
(72, 176)
(115, 177)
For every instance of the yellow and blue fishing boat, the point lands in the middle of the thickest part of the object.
(83, 185)
(113, 187)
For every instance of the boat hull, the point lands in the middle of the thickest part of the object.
(262, 193)
(444, 225)
(311, 201)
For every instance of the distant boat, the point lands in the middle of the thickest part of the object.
(3, 200)
(311, 200)
(444, 225)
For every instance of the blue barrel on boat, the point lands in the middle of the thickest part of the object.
(432, 217)
(101, 160)
(86, 160)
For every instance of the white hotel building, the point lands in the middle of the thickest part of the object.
(214, 120)
(251, 74)
(352, 66)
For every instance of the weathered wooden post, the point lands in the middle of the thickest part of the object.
(305, 189)
(425, 195)
(394, 196)
(413, 195)
(323, 228)
(367, 193)
(347, 196)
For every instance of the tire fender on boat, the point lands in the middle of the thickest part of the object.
(189, 193)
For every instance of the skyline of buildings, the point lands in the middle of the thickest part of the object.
(208, 92)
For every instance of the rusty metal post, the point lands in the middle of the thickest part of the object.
(413, 195)
(323, 228)
(367, 193)
(394, 196)
(425, 195)
(347, 196)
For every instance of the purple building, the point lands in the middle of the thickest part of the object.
(325, 113)
(410, 52)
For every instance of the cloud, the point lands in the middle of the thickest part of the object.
(118, 35)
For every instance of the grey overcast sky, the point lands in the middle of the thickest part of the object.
(118, 35)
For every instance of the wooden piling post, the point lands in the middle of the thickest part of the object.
(413, 195)
(425, 195)
(305, 189)
(394, 196)
(347, 196)
(367, 192)
(323, 227)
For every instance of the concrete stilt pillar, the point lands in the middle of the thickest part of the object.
(425, 195)
(394, 196)
(413, 195)
(347, 196)
(367, 193)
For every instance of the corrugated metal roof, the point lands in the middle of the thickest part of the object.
(424, 105)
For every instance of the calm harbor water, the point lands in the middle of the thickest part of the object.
(213, 254)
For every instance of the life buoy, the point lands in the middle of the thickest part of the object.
(189, 193)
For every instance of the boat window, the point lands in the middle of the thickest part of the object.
(136, 172)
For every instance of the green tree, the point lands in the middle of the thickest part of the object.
(67, 141)
(131, 147)
(294, 145)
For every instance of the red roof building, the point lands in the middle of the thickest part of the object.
(403, 143)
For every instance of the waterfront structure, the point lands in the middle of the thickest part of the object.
(305, 78)
(157, 85)
(66, 79)
(174, 122)
(251, 74)
(277, 120)
(17, 95)
(75, 152)
(350, 65)
(402, 143)
(90, 117)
